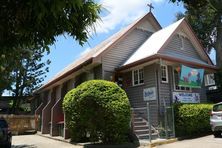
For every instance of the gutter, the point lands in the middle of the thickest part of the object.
(168, 58)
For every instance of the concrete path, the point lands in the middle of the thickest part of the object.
(36, 141)
(203, 142)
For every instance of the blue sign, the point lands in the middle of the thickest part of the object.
(149, 94)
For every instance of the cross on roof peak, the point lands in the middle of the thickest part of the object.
(150, 6)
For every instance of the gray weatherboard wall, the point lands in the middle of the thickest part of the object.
(120, 52)
(135, 93)
(174, 48)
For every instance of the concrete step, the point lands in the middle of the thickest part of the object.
(146, 136)
(139, 123)
(138, 119)
(141, 132)
(140, 127)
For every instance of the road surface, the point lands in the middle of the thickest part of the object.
(203, 142)
(36, 141)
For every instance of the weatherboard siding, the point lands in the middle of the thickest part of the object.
(135, 93)
(98, 74)
(165, 89)
(202, 92)
(122, 51)
(174, 48)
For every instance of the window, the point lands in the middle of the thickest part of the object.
(176, 82)
(209, 79)
(138, 77)
(181, 42)
(164, 74)
(182, 39)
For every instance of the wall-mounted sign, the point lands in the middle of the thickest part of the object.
(184, 97)
(149, 94)
(191, 77)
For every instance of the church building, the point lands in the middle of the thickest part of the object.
(152, 64)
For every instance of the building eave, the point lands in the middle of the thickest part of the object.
(167, 58)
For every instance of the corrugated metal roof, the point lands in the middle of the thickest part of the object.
(96, 51)
(154, 43)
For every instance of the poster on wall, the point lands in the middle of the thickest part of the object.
(185, 97)
(191, 77)
(149, 94)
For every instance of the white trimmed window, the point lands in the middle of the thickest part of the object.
(209, 79)
(164, 74)
(176, 82)
(138, 77)
(182, 38)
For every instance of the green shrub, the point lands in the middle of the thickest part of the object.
(192, 119)
(97, 110)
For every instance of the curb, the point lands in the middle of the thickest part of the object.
(168, 141)
(152, 144)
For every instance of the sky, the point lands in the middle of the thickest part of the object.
(115, 15)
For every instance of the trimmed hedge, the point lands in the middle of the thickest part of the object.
(97, 110)
(192, 119)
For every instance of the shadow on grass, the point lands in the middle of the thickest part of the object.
(24, 146)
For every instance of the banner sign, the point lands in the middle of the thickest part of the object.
(184, 97)
(149, 94)
(191, 77)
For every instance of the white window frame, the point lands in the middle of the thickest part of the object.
(138, 76)
(182, 41)
(166, 71)
(174, 84)
(207, 80)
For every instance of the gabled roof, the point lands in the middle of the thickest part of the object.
(153, 45)
(98, 50)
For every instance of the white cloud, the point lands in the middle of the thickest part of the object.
(121, 12)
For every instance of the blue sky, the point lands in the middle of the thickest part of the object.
(115, 16)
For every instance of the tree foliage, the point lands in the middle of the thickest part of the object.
(37, 22)
(26, 74)
(205, 17)
(34, 25)
(97, 110)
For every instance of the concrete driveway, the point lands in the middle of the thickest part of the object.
(36, 141)
(203, 142)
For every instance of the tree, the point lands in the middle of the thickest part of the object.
(205, 17)
(27, 74)
(36, 24)
(27, 23)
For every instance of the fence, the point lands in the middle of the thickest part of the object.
(148, 124)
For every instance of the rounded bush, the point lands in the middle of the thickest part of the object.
(97, 110)
(192, 119)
